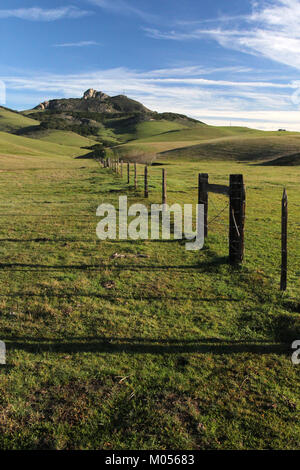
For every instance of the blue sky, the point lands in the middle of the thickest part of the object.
(221, 62)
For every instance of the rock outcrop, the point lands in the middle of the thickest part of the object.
(91, 93)
(95, 101)
(42, 106)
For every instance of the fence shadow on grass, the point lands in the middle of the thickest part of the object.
(202, 265)
(147, 346)
(44, 240)
(119, 296)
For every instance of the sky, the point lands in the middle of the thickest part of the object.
(223, 62)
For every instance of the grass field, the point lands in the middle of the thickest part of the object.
(23, 152)
(161, 348)
(64, 138)
(13, 121)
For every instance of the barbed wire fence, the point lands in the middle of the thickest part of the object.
(235, 206)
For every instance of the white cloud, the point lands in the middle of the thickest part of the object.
(193, 70)
(40, 14)
(257, 104)
(272, 30)
(173, 35)
(124, 8)
(78, 44)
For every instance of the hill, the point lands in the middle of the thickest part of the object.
(287, 160)
(68, 138)
(22, 152)
(96, 102)
(107, 122)
(250, 147)
(12, 121)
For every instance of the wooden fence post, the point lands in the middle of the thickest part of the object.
(121, 168)
(284, 251)
(135, 176)
(203, 197)
(164, 186)
(237, 208)
(128, 173)
(146, 181)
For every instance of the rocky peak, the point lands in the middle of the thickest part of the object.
(44, 105)
(91, 93)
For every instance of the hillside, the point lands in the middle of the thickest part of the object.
(24, 153)
(68, 138)
(287, 160)
(23, 136)
(108, 122)
(12, 121)
(96, 102)
(258, 147)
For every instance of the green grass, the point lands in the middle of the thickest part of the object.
(256, 146)
(17, 150)
(199, 132)
(13, 121)
(150, 129)
(64, 138)
(255, 149)
(160, 349)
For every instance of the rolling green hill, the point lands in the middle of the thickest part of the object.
(60, 137)
(259, 147)
(11, 121)
(287, 160)
(71, 126)
(196, 132)
(22, 152)
(109, 120)
(20, 135)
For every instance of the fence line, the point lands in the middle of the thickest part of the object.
(237, 212)
(284, 225)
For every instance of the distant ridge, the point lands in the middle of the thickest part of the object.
(95, 101)
(169, 135)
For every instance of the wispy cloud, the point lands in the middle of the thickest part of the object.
(78, 44)
(123, 8)
(266, 105)
(173, 35)
(196, 70)
(40, 14)
(270, 30)
(220, 19)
